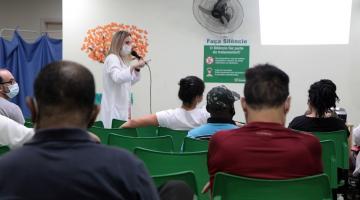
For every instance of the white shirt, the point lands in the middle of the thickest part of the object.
(117, 81)
(180, 119)
(13, 134)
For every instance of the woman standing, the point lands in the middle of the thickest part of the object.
(118, 76)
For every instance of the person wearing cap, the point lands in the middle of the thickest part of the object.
(220, 105)
(8, 90)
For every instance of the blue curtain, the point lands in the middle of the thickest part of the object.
(25, 60)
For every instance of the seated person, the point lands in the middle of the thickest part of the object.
(14, 135)
(263, 147)
(187, 117)
(319, 117)
(356, 156)
(61, 161)
(220, 105)
(8, 90)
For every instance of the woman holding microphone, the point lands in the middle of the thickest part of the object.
(118, 76)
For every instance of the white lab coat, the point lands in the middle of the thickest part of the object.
(117, 81)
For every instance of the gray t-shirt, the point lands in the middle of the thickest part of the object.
(11, 110)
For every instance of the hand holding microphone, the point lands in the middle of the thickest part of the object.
(141, 62)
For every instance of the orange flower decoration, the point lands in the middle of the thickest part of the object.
(98, 40)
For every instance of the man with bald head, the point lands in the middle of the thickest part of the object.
(61, 161)
(8, 90)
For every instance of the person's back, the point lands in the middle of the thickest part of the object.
(319, 117)
(73, 168)
(264, 148)
(61, 161)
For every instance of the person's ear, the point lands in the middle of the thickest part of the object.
(287, 105)
(31, 104)
(94, 113)
(243, 104)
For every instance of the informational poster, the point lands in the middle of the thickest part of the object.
(225, 62)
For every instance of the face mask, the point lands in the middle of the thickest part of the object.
(126, 49)
(13, 90)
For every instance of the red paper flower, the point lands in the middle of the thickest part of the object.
(97, 42)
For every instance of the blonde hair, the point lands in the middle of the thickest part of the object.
(117, 43)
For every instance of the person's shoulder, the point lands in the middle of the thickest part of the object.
(304, 135)
(198, 130)
(221, 135)
(298, 122)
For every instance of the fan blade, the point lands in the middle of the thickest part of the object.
(204, 10)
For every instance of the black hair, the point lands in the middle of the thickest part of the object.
(190, 88)
(322, 96)
(65, 86)
(266, 86)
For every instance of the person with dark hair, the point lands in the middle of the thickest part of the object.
(118, 76)
(319, 117)
(8, 90)
(187, 117)
(263, 147)
(61, 161)
(220, 105)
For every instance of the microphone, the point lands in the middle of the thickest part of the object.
(136, 55)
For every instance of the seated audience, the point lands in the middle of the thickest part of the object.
(61, 161)
(319, 117)
(187, 117)
(220, 105)
(263, 147)
(8, 90)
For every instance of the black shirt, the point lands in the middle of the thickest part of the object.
(310, 124)
(66, 164)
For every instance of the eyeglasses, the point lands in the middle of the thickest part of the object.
(12, 81)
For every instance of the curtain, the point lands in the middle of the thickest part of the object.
(25, 60)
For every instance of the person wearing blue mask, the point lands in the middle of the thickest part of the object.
(8, 90)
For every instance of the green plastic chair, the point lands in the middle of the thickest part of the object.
(147, 131)
(329, 162)
(4, 149)
(341, 146)
(116, 123)
(161, 143)
(98, 124)
(29, 124)
(193, 145)
(231, 187)
(103, 133)
(177, 136)
(187, 176)
(160, 163)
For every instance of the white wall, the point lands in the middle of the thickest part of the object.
(176, 49)
(28, 15)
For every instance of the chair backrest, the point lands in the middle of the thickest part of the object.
(103, 133)
(329, 161)
(232, 187)
(341, 146)
(116, 123)
(147, 131)
(4, 149)
(159, 163)
(187, 176)
(192, 145)
(99, 124)
(161, 143)
(177, 136)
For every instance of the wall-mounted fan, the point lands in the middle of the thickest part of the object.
(219, 16)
